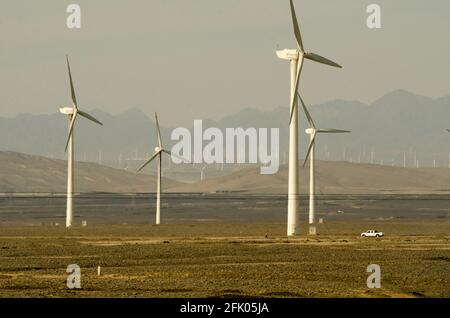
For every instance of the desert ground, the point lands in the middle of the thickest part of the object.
(216, 246)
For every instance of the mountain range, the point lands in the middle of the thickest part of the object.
(400, 127)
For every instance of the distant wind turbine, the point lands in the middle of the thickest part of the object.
(72, 114)
(296, 58)
(313, 131)
(159, 150)
(202, 172)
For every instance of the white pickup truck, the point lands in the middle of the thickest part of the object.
(372, 233)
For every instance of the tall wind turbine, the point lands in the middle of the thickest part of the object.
(296, 58)
(72, 114)
(313, 131)
(159, 150)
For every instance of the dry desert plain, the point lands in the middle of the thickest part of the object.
(227, 260)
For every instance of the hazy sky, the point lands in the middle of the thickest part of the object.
(198, 59)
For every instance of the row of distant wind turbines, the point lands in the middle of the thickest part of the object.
(296, 58)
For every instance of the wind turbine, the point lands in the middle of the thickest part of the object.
(159, 150)
(313, 131)
(202, 172)
(296, 58)
(72, 114)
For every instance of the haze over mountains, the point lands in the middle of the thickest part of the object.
(396, 125)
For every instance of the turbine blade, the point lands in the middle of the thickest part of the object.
(321, 59)
(294, 98)
(176, 156)
(298, 35)
(292, 112)
(333, 131)
(311, 144)
(149, 160)
(72, 124)
(158, 131)
(308, 115)
(90, 117)
(72, 90)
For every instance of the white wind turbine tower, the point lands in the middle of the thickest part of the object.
(296, 58)
(159, 150)
(72, 113)
(313, 131)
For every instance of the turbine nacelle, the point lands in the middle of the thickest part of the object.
(67, 110)
(310, 131)
(158, 149)
(289, 55)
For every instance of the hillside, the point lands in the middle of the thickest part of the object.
(333, 178)
(27, 173)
